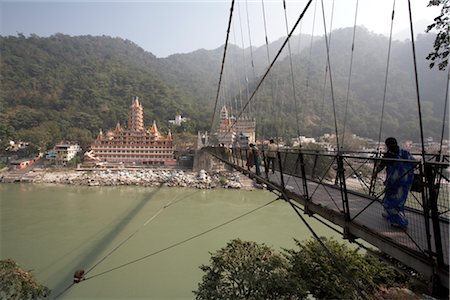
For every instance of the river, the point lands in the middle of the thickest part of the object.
(54, 230)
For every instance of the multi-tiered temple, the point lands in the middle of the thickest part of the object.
(231, 131)
(135, 145)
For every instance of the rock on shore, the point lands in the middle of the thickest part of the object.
(142, 177)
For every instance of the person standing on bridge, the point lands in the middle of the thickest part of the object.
(253, 158)
(271, 156)
(399, 178)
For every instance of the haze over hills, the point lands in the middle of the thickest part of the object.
(70, 87)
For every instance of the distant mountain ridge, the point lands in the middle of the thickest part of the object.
(70, 87)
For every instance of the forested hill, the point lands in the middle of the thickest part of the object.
(64, 87)
(365, 100)
(70, 87)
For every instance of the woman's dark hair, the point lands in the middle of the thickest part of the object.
(392, 145)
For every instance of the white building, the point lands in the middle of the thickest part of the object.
(66, 152)
(178, 120)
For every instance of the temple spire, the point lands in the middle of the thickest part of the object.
(136, 119)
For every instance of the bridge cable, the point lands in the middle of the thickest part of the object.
(445, 112)
(183, 241)
(308, 72)
(275, 59)
(386, 77)
(326, 74)
(324, 78)
(223, 63)
(278, 111)
(244, 63)
(292, 75)
(331, 77)
(250, 41)
(416, 77)
(239, 81)
(349, 75)
(333, 258)
(170, 203)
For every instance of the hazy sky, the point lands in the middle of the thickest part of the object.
(168, 27)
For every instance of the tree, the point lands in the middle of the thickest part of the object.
(16, 283)
(247, 270)
(323, 279)
(442, 42)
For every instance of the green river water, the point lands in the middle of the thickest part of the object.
(54, 230)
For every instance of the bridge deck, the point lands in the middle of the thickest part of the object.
(328, 196)
(415, 246)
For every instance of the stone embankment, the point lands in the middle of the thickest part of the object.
(143, 177)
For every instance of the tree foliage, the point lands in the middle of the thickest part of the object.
(247, 270)
(442, 42)
(325, 281)
(16, 283)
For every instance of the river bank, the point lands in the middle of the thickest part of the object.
(141, 177)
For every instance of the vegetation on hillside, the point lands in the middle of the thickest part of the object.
(64, 87)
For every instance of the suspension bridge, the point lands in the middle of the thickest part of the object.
(337, 185)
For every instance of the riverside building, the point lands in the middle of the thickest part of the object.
(135, 145)
(231, 131)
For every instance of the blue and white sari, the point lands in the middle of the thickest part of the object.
(399, 178)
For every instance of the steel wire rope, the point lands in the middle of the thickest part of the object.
(308, 87)
(371, 251)
(386, 77)
(223, 63)
(332, 257)
(170, 203)
(300, 32)
(244, 62)
(308, 71)
(445, 113)
(330, 74)
(294, 94)
(349, 75)
(278, 111)
(239, 81)
(275, 59)
(416, 78)
(250, 42)
(183, 241)
(326, 73)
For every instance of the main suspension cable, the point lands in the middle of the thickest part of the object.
(170, 203)
(223, 64)
(275, 59)
(416, 77)
(183, 241)
(277, 114)
(292, 75)
(445, 111)
(386, 77)
(331, 77)
(349, 75)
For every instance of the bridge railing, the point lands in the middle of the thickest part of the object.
(347, 184)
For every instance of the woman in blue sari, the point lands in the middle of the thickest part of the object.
(399, 178)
